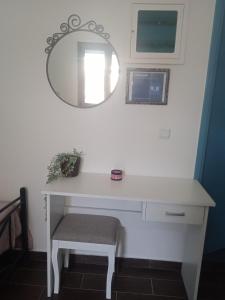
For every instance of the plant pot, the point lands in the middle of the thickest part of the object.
(72, 173)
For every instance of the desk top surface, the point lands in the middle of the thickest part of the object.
(137, 188)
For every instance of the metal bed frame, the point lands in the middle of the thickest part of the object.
(18, 203)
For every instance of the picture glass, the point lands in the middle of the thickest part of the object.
(147, 86)
(156, 31)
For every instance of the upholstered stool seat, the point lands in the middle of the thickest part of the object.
(87, 229)
(85, 232)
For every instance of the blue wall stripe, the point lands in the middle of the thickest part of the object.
(210, 83)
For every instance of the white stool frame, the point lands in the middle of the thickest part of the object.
(109, 250)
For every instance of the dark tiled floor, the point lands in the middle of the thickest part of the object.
(86, 281)
(212, 281)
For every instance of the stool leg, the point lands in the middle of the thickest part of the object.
(66, 258)
(111, 268)
(55, 263)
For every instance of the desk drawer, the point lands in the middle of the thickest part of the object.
(174, 213)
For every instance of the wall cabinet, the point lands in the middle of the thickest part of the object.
(157, 33)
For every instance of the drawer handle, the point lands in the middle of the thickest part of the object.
(173, 214)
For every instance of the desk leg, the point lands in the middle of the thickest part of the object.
(192, 260)
(55, 211)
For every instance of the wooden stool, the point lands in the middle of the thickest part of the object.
(85, 232)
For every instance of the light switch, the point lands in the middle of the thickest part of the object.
(164, 133)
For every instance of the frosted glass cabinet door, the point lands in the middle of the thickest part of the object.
(157, 31)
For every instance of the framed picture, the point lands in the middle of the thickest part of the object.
(147, 86)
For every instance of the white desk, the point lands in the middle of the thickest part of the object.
(170, 200)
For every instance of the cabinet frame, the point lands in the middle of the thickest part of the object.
(176, 57)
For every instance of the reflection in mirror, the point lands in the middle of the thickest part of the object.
(98, 72)
(83, 68)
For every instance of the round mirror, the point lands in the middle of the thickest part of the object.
(82, 67)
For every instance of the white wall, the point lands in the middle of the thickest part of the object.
(35, 124)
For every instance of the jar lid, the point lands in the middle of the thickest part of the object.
(116, 172)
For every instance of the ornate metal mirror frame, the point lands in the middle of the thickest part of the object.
(73, 25)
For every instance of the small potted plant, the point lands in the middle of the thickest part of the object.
(64, 164)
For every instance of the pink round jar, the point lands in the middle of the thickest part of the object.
(116, 174)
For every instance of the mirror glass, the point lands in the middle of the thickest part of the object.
(83, 69)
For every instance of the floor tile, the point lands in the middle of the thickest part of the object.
(71, 280)
(217, 277)
(88, 268)
(135, 264)
(6, 276)
(33, 265)
(20, 292)
(72, 294)
(211, 291)
(88, 259)
(132, 263)
(165, 265)
(132, 284)
(9, 257)
(37, 256)
(86, 279)
(170, 288)
(150, 273)
(94, 282)
(132, 296)
(30, 277)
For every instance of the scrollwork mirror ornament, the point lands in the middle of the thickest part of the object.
(74, 24)
(82, 65)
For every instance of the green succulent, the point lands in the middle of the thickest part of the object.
(63, 165)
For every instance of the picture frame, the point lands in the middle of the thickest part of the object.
(147, 86)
